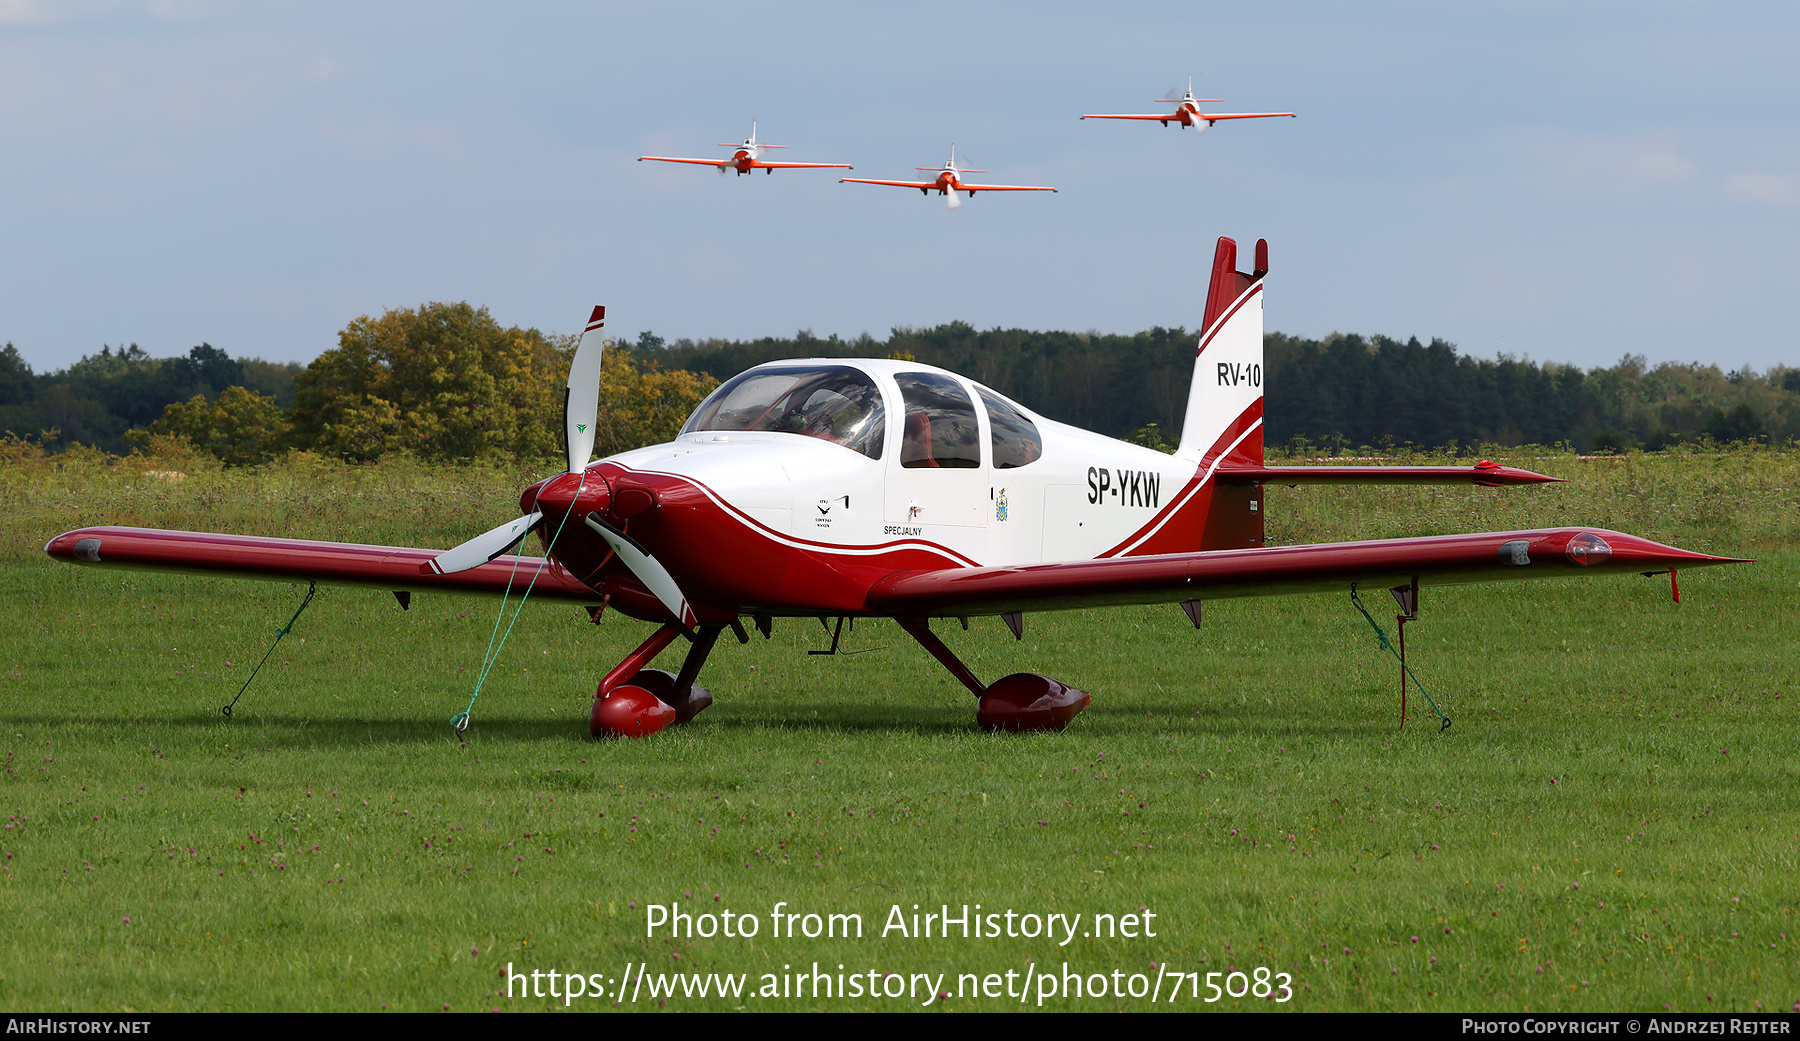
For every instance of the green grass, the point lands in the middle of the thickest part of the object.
(1246, 782)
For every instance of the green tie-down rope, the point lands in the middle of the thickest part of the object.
(1388, 646)
(311, 588)
(460, 721)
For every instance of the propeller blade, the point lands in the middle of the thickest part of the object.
(581, 398)
(647, 568)
(955, 202)
(484, 547)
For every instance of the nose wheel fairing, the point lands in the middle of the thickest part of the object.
(634, 701)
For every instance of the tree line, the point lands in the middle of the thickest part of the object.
(441, 382)
(448, 382)
(1342, 391)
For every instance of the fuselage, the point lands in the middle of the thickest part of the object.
(744, 159)
(759, 505)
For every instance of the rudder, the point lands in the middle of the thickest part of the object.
(1224, 424)
(1225, 400)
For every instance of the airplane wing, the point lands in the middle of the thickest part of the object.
(1210, 116)
(897, 184)
(696, 162)
(973, 188)
(808, 166)
(394, 568)
(1326, 567)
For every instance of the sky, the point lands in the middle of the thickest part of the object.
(1564, 182)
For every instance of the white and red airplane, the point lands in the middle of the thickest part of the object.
(948, 182)
(747, 158)
(846, 487)
(1187, 112)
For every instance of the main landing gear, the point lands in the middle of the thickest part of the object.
(634, 701)
(1019, 702)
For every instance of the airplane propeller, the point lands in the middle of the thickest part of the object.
(486, 546)
(581, 410)
(647, 568)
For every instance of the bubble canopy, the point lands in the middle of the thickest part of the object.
(834, 403)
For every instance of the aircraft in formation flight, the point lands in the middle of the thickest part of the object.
(851, 488)
(1187, 112)
(949, 177)
(948, 182)
(747, 158)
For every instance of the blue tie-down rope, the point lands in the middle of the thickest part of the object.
(1389, 647)
(311, 588)
(460, 721)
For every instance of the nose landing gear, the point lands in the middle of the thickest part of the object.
(633, 701)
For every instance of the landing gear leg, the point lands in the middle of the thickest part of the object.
(1021, 701)
(689, 700)
(633, 701)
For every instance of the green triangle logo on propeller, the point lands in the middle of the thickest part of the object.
(581, 427)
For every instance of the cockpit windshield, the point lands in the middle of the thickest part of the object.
(834, 403)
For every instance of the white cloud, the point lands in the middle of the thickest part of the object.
(1616, 166)
(1765, 188)
(180, 10)
(42, 12)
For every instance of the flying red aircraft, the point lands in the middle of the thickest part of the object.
(846, 488)
(948, 182)
(1187, 112)
(748, 157)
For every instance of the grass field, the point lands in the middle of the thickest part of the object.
(1611, 823)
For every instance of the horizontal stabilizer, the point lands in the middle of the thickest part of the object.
(1482, 473)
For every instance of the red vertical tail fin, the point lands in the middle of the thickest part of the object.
(1224, 424)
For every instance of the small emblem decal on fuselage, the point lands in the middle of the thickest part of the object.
(822, 519)
(1000, 507)
(1126, 487)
